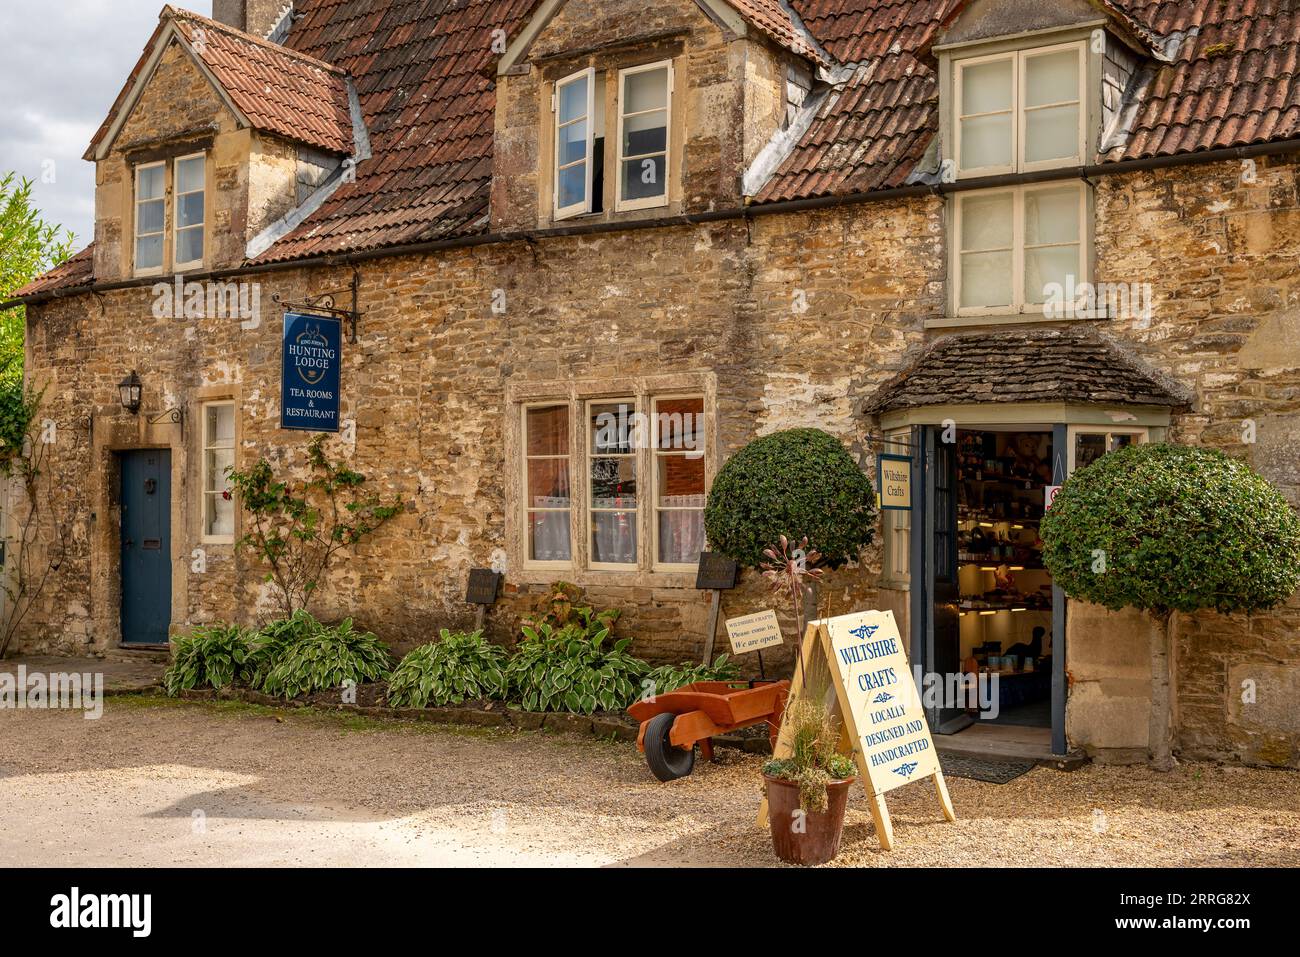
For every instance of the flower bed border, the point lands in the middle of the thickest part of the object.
(495, 715)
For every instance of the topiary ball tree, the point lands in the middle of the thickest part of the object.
(1169, 528)
(799, 483)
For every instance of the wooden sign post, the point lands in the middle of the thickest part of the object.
(884, 725)
(716, 573)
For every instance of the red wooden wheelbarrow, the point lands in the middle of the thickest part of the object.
(673, 724)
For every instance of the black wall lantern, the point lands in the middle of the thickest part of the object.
(129, 391)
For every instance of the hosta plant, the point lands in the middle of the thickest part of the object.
(458, 667)
(577, 668)
(211, 657)
(328, 659)
(270, 644)
(668, 678)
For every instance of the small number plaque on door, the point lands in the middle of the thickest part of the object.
(153, 544)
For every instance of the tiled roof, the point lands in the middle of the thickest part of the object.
(868, 136)
(421, 71)
(278, 90)
(1232, 82)
(774, 20)
(1026, 365)
(76, 271)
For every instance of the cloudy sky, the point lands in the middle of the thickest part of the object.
(63, 65)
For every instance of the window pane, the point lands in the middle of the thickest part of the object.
(615, 429)
(985, 279)
(647, 90)
(549, 537)
(643, 178)
(149, 184)
(219, 515)
(681, 537)
(1120, 441)
(151, 217)
(1052, 78)
(220, 425)
(613, 538)
(987, 221)
(679, 425)
(573, 142)
(548, 483)
(216, 464)
(986, 141)
(573, 186)
(189, 174)
(189, 245)
(548, 430)
(645, 134)
(613, 483)
(986, 88)
(189, 210)
(148, 252)
(1051, 133)
(1053, 264)
(1088, 447)
(573, 100)
(680, 481)
(1052, 216)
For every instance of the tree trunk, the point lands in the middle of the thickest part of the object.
(1160, 741)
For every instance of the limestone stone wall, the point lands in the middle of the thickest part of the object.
(793, 319)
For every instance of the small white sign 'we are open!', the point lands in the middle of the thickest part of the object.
(754, 632)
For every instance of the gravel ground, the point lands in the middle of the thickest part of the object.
(167, 783)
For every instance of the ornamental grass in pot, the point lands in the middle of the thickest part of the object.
(808, 791)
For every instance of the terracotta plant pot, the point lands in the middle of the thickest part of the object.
(805, 838)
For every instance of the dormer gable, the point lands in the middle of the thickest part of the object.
(215, 137)
(612, 110)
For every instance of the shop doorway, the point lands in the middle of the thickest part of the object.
(987, 608)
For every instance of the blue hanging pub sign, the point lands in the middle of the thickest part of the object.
(310, 366)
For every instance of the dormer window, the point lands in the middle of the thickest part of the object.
(1016, 249)
(189, 211)
(170, 198)
(579, 143)
(644, 118)
(638, 101)
(1021, 111)
(150, 217)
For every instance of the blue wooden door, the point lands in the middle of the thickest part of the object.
(146, 546)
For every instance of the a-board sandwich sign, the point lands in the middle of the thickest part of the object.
(310, 377)
(883, 707)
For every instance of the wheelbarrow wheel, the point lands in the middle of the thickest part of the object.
(667, 762)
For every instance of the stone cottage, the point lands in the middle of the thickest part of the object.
(994, 239)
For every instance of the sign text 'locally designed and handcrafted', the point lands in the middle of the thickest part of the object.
(309, 373)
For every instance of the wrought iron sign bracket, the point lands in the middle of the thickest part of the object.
(176, 416)
(327, 302)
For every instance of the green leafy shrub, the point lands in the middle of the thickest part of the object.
(211, 657)
(456, 668)
(1172, 528)
(572, 669)
(668, 678)
(1165, 529)
(270, 644)
(801, 483)
(325, 659)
